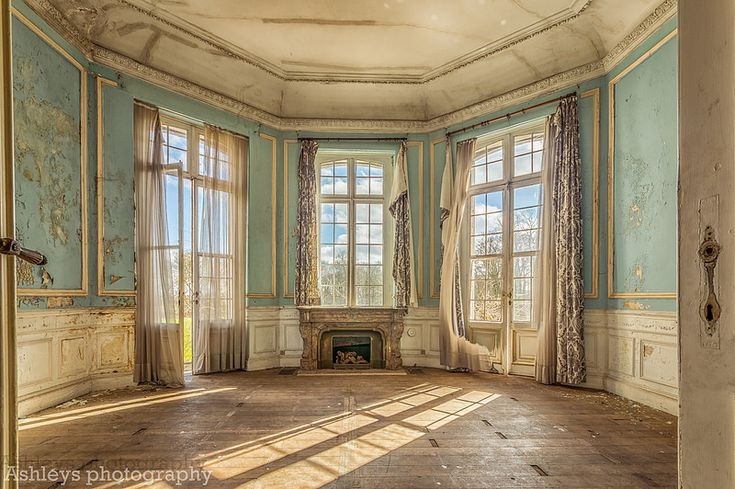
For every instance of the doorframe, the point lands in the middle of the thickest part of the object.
(506, 329)
(8, 371)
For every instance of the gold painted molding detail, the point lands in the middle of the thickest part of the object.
(595, 294)
(101, 291)
(611, 293)
(83, 291)
(432, 216)
(420, 240)
(274, 219)
(286, 228)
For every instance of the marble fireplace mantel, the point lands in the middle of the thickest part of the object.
(313, 321)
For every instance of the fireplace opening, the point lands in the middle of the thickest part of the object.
(351, 349)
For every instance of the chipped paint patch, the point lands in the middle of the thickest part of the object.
(56, 302)
(635, 306)
(648, 350)
(115, 278)
(46, 279)
(24, 271)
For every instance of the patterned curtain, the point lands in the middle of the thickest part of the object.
(567, 229)
(402, 246)
(306, 289)
(445, 204)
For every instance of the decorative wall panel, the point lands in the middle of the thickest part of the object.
(50, 122)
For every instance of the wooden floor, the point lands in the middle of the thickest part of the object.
(427, 429)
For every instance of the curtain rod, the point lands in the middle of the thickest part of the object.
(509, 115)
(355, 139)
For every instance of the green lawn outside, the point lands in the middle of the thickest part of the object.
(187, 341)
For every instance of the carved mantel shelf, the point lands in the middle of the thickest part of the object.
(313, 321)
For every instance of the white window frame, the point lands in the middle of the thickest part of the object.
(505, 185)
(386, 160)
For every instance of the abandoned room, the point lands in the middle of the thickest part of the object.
(391, 244)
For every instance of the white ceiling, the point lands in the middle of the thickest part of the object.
(358, 59)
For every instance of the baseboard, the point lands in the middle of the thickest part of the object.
(639, 393)
(39, 401)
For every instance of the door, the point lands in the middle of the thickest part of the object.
(201, 238)
(501, 249)
(8, 434)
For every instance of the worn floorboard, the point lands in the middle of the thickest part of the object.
(435, 430)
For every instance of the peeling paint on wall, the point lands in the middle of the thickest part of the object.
(56, 302)
(48, 148)
(635, 306)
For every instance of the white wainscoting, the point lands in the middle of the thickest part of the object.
(634, 354)
(275, 340)
(64, 353)
(630, 353)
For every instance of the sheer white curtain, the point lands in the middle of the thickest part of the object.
(158, 354)
(544, 309)
(219, 331)
(457, 351)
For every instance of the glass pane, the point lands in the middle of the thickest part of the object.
(327, 214)
(362, 213)
(362, 186)
(523, 164)
(376, 233)
(341, 213)
(376, 171)
(341, 234)
(376, 254)
(340, 254)
(340, 186)
(495, 172)
(362, 170)
(171, 183)
(362, 254)
(376, 187)
(362, 233)
(522, 311)
(522, 145)
(524, 241)
(527, 196)
(327, 185)
(376, 213)
(326, 234)
(327, 170)
(526, 218)
(340, 169)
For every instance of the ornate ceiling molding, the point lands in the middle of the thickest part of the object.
(565, 16)
(127, 65)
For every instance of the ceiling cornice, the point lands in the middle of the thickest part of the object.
(124, 64)
(565, 16)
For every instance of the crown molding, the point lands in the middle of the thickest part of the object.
(150, 9)
(129, 66)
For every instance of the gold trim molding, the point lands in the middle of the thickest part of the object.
(611, 293)
(101, 291)
(595, 293)
(432, 216)
(274, 220)
(286, 228)
(84, 290)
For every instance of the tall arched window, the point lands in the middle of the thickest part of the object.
(353, 251)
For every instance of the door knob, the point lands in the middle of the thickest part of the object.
(9, 246)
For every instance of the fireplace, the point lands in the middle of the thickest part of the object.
(351, 349)
(366, 338)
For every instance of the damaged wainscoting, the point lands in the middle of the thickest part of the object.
(66, 353)
(634, 354)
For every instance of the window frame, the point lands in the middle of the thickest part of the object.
(506, 185)
(351, 198)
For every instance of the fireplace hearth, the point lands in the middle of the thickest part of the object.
(343, 338)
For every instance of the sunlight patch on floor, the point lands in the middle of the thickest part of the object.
(76, 414)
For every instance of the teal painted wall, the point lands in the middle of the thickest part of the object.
(645, 169)
(270, 252)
